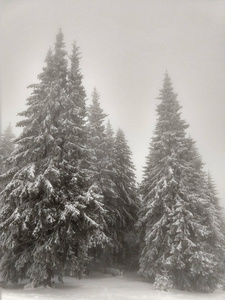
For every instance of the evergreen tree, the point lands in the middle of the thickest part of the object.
(200, 184)
(216, 221)
(110, 141)
(97, 137)
(100, 163)
(99, 141)
(50, 214)
(7, 146)
(114, 174)
(7, 142)
(173, 226)
(127, 202)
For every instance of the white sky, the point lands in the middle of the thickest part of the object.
(126, 46)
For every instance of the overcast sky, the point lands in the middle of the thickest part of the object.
(126, 46)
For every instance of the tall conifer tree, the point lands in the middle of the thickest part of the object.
(97, 137)
(173, 226)
(114, 174)
(49, 212)
(99, 141)
(127, 202)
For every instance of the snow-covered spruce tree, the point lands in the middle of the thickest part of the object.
(127, 203)
(49, 212)
(101, 168)
(97, 136)
(110, 156)
(216, 221)
(199, 184)
(7, 142)
(110, 141)
(174, 231)
(81, 159)
(6, 146)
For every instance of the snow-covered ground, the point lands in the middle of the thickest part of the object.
(104, 287)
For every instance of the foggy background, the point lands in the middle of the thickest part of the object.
(126, 47)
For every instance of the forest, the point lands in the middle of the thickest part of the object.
(70, 203)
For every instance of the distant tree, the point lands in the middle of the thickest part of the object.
(7, 141)
(110, 143)
(173, 221)
(114, 174)
(50, 214)
(97, 137)
(100, 143)
(7, 146)
(127, 204)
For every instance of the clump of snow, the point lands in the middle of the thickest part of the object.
(163, 282)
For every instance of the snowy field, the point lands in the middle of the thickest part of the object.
(104, 287)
